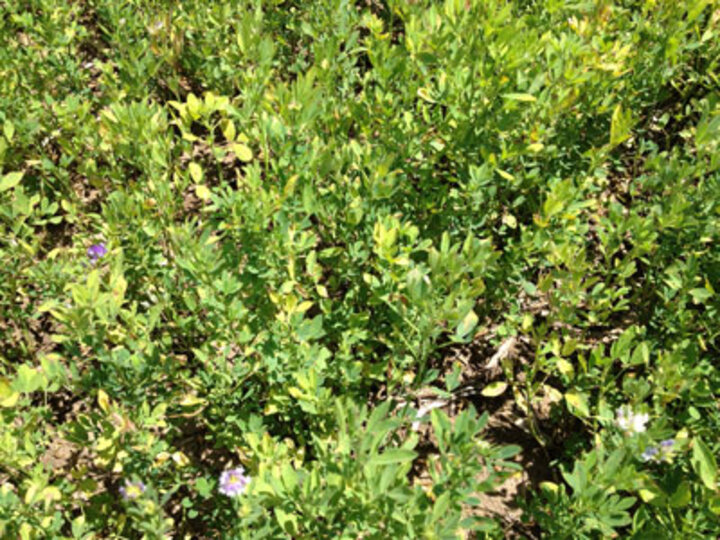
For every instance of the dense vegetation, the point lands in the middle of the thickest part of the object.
(359, 269)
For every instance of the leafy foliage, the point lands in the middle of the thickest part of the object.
(252, 233)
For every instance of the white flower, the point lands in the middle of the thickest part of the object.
(630, 422)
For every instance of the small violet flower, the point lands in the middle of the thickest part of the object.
(96, 252)
(629, 422)
(649, 453)
(666, 449)
(132, 490)
(663, 453)
(233, 482)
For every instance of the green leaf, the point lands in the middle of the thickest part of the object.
(396, 455)
(441, 506)
(311, 329)
(203, 487)
(682, 495)
(715, 505)
(700, 295)
(704, 463)
(10, 180)
(287, 521)
(29, 379)
(9, 130)
(707, 131)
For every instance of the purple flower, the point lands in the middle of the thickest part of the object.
(132, 490)
(663, 453)
(96, 252)
(649, 453)
(233, 482)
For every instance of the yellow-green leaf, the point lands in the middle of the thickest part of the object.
(620, 126)
(228, 129)
(10, 180)
(193, 106)
(704, 463)
(9, 130)
(578, 404)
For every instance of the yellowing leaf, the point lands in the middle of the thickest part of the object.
(190, 400)
(193, 106)
(8, 397)
(243, 152)
(509, 220)
(520, 97)
(196, 172)
(553, 394)
(322, 291)
(228, 129)
(50, 494)
(494, 389)
(549, 486)
(647, 495)
(180, 459)
(565, 367)
(620, 126)
(104, 443)
(578, 404)
(467, 325)
(536, 147)
(506, 175)
(424, 94)
(202, 191)
(103, 400)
